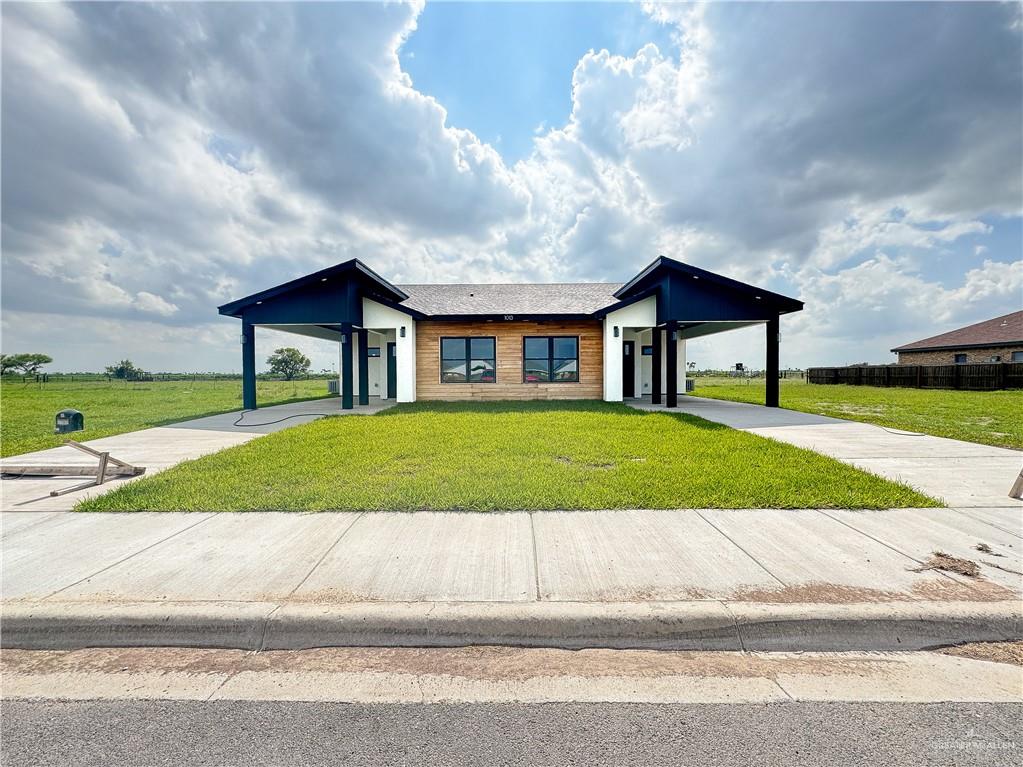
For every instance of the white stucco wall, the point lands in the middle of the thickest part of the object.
(642, 314)
(383, 318)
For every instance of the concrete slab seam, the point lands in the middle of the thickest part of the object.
(735, 623)
(325, 553)
(963, 510)
(209, 515)
(885, 544)
(536, 557)
(759, 564)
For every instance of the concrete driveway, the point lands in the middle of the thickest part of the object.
(959, 473)
(160, 448)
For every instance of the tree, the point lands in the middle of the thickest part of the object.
(29, 364)
(288, 362)
(124, 369)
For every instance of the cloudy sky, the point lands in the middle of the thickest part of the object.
(159, 160)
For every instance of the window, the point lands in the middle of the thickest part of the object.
(1017, 356)
(550, 359)
(372, 351)
(960, 359)
(468, 360)
(995, 358)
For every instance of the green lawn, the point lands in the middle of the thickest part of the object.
(988, 417)
(504, 455)
(27, 410)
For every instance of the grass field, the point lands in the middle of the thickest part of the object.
(27, 410)
(503, 455)
(988, 417)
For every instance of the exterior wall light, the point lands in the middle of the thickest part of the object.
(616, 331)
(401, 331)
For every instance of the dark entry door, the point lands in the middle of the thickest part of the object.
(392, 371)
(628, 368)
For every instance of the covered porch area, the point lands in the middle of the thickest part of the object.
(350, 305)
(655, 360)
(366, 360)
(665, 306)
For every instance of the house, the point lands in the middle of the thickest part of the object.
(997, 340)
(524, 341)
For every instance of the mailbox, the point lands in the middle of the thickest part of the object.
(69, 420)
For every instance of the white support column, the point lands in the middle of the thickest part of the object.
(403, 327)
(612, 360)
(641, 314)
(406, 349)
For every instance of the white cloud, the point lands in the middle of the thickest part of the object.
(160, 160)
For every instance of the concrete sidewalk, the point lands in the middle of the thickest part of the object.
(959, 473)
(710, 579)
(160, 448)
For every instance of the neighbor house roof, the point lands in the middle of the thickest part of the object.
(577, 298)
(1001, 331)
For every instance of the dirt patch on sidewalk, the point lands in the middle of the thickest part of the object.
(485, 663)
(939, 560)
(996, 652)
(940, 589)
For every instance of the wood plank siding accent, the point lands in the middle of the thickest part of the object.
(509, 384)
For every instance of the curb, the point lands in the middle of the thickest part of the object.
(703, 626)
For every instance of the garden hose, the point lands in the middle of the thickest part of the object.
(268, 423)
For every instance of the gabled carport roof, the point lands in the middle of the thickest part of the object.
(639, 285)
(354, 267)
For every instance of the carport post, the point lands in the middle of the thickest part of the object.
(363, 366)
(248, 365)
(346, 366)
(771, 371)
(671, 333)
(655, 368)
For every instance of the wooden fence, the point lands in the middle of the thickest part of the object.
(982, 376)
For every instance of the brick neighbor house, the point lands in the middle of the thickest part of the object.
(997, 340)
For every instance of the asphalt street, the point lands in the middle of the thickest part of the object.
(221, 733)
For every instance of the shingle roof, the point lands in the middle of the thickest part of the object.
(1007, 329)
(558, 298)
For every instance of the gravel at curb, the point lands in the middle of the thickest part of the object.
(706, 625)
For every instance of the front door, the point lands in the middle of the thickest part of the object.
(392, 370)
(628, 368)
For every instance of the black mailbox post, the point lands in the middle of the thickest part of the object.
(69, 420)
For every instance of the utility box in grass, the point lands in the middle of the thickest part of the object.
(69, 420)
